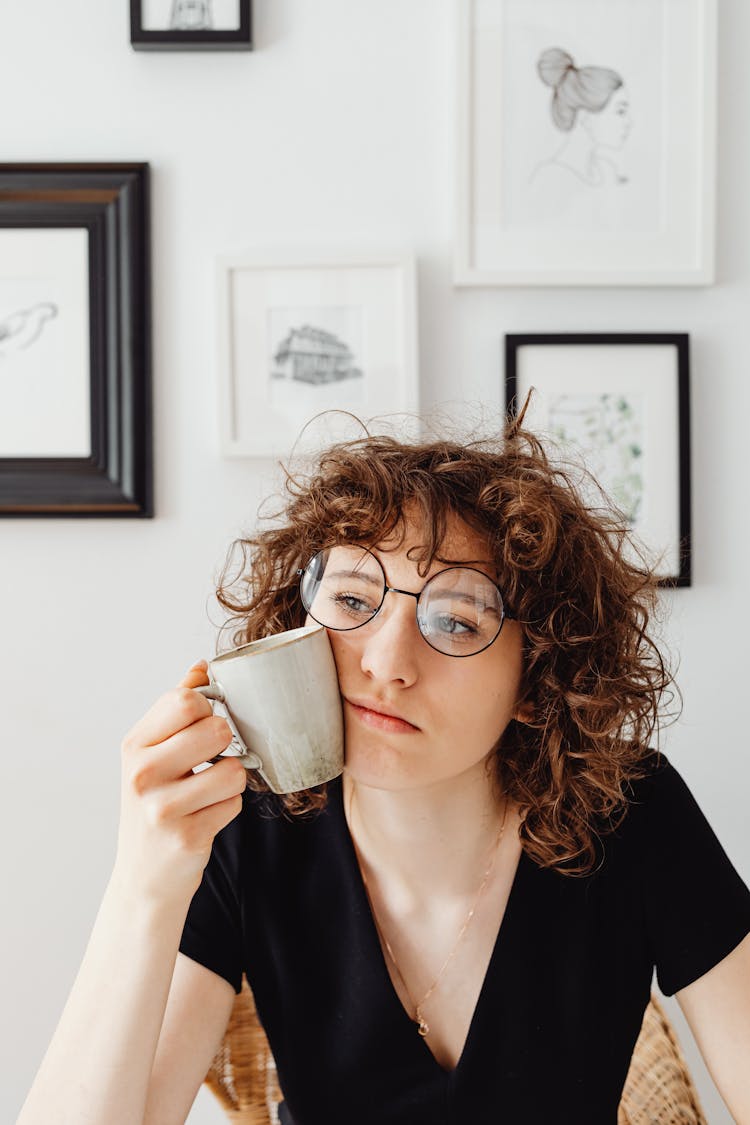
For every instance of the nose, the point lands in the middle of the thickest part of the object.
(391, 642)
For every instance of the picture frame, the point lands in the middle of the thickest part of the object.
(621, 403)
(586, 142)
(75, 375)
(302, 338)
(191, 25)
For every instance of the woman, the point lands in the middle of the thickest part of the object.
(463, 927)
(590, 107)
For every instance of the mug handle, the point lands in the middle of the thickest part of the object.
(237, 747)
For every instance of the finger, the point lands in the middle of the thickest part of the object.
(199, 790)
(177, 755)
(195, 675)
(174, 711)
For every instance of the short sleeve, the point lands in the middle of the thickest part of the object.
(212, 934)
(697, 907)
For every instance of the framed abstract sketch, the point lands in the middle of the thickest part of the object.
(619, 405)
(301, 337)
(75, 382)
(191, 25)
(586, 142)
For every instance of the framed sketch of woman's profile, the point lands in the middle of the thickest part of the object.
(586, 142)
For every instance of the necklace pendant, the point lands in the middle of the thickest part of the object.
(422, 1025)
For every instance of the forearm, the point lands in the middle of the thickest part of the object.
(97, 1067)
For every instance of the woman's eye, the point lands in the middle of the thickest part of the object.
(447, 623)
(352, 604)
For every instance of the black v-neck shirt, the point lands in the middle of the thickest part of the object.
(563, 997)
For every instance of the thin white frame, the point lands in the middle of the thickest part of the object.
(407, 389)
(466, 273)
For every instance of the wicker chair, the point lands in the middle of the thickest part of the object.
(658, 1089)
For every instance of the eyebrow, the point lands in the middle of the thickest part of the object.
(354, 574)
(461, 597)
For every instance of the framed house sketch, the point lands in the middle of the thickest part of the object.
(620, 406)
(586, 142)
(75, 382)
(301, 338)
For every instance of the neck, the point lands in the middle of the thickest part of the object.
(579, 154)
(430, 846)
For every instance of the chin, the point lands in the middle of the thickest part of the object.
(381, 766)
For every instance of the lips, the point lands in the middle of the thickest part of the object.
(376, 713)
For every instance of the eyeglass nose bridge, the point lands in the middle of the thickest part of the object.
(395, 590)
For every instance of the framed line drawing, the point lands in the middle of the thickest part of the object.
(621, 403)
(298, 337)
(191, 25)
(586, 141)
(75, 380)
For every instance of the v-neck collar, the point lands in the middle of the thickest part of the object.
(501, 939)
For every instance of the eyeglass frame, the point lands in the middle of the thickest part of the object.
(410, 593)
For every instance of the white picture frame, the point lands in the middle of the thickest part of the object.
(299, 336)
(618, 405)
(552, 193)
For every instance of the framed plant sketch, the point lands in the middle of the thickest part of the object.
(298, 337)
(191, 25)
(621, 405)
(586, 142)
(75, 382)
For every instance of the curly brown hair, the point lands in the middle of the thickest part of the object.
(594, 681)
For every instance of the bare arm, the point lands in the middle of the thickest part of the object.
(98, 1065)
(717, 1008)
(198, 1010)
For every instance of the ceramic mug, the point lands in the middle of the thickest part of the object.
(283, 705)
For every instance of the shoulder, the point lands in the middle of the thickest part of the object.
(265, 822)
(658, 777)
(696, 905)
(267, 807)
(673, 837)
(661, 791)
(659, 802)
(657, 810)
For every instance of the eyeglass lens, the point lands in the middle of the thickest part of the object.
(459, 611)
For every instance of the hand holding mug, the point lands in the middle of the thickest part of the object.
(169, 815)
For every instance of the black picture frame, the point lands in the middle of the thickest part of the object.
(111, 203)
(238, 39)
(679, 342)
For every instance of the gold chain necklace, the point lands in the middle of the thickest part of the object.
(418, 1018)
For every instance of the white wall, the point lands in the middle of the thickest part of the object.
(337, 131)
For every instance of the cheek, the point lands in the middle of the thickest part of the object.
(345, 650)
(486, 694)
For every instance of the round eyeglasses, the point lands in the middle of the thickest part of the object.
(459, 610)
